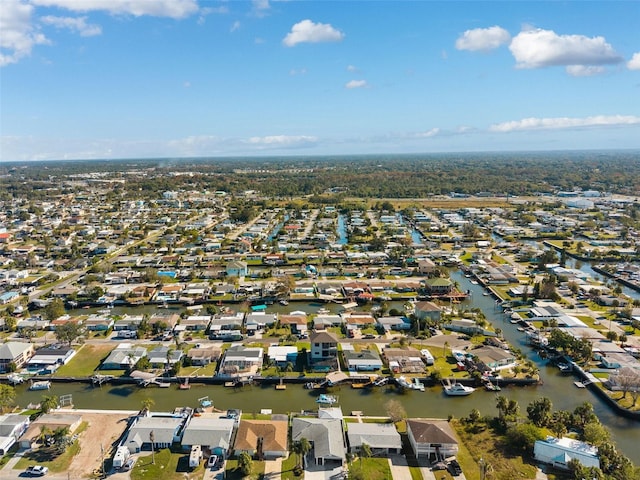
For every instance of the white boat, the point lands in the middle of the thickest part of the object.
(283, 302)
(325, 399)
(205, 402)
(15, 379)
(457, 389)
(324, 311)
(43, 385)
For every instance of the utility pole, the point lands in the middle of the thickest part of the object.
(152, 437)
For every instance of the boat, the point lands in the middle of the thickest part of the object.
(486, 294)
(205, 402)
(564, 367)
(324, 311)
(15, 379)
(283, 302)
(380, 382)
(473, 282)
(457, 389)
(325, 399)
(492, 387)
(185, 385)
(43, 385)
(417, 385)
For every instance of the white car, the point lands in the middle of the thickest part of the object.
(213, 461)
(37, 471)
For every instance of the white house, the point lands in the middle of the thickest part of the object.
(558, 452)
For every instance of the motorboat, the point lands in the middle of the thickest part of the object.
(457, 389)
(15, 378)
(323, 398)
(205, 402)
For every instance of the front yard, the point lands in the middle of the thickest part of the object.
(86, 361)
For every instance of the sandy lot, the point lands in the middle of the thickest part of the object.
(104, 429)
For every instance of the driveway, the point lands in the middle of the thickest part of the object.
(399, 467)
(323, 472)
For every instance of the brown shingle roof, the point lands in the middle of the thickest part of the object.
(273, 433)
(432, 431)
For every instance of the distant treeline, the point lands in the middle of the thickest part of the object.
(367, 176)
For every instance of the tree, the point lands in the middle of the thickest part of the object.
(395, 410)
(7, 396)
(522, 438)
(245, 463)
(301, 448)
(54, 309)
(147, 404)
(48, 403)
(365, 451)
(595, 433)
(68, 332)
(152, 439)
(539, 412)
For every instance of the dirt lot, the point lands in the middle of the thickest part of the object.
(104, 428)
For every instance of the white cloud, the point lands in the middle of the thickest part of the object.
(634, 63)
(533, 123)
(543, 48)
(352, 69)
(156, 8)
(235, 26)
(428, 134)
(75, 24)
(260, 7)
(280, 141)
(17, 34)
(308, 32)
(584, 70)
(356, 84)
(483, 39)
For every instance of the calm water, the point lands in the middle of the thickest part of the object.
(432, 403)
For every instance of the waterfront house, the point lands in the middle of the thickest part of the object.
(324, 346)
(15, 353)
(164, 357)
(196, 323)
(98, 323)
(165, 430)
(297, 323)
(164, 320)
(494, 358)
(404, 360)
(325, 436)
(52, 422)
(428, 311)
(364, 360)
(227, 321)
(212, 433)
(438, 286)
(123, 357)
(128, 322)
(204, 355)
(264, 438)
(48, 359)
(432, 437)
(464, 325)
(394, 323)
(12, 427)
(281, 355)
(382, 438)
(169, 293)
(426, 266)
(558, 452)
(240, 361)
(322, 322)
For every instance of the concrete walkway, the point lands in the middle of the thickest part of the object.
(273, 469)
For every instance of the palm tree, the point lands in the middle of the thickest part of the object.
(48, 403)
(301, 448)
(245, 463)
(365, 451)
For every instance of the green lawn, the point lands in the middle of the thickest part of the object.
(288, 466)
(371, 468)
(168, 466)
(85, 362)
(206, 371)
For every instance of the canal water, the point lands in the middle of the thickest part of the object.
(431, 403)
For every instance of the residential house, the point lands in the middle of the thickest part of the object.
(237, 268)
(404, 360)
(204, 355)
(98, 322)
(494, 358)
(164, 320)
(264, 438)
(12, 427)
(50, 421)
(241, 361)
(428, 311)
(324, 347)
(297, 323)
(381, 438)
(394, 323)
(48, 359)
(558, 452)
(325, 436)
(128, 322)
(364, 360)
(322, 322)
(123, 357)
(196, 323)
(169, 293)
(164, 357)
(282, 355)
(212, 433)
(227, 321)
(432, 438)
(427, 267)
(15, 353)
(165, 430)
(438, 286)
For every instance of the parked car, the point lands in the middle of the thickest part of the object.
(369, 336)
(37, 471)
(454, 468)
(213, 461)
(128, 465)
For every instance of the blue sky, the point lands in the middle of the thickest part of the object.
(179, 78)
